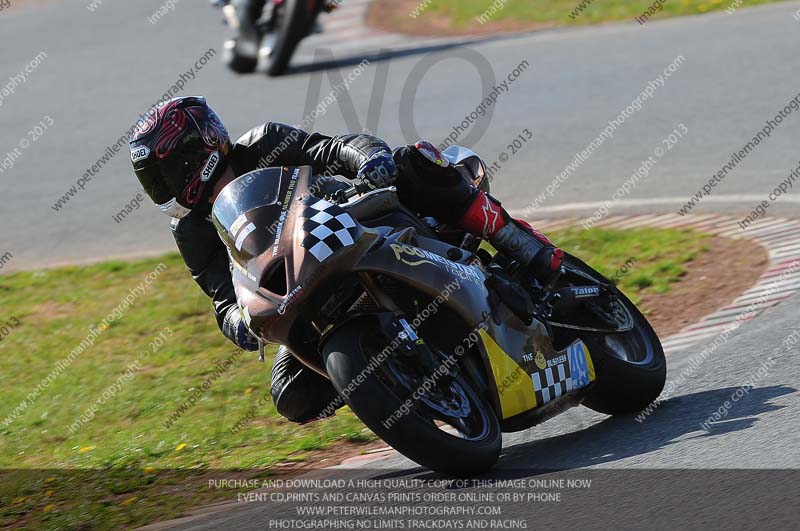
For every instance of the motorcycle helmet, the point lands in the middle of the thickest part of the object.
(179, 151)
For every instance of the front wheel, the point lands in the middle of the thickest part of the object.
(236, 61)
(450, 429)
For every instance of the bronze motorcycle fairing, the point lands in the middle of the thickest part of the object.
(291, 251)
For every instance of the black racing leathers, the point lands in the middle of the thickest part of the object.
(271, 144)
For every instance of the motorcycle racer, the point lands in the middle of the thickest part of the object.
(183, 157)
(248, 12)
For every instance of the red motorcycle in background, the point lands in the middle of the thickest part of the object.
(282, 26)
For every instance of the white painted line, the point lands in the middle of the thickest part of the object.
(719, 199)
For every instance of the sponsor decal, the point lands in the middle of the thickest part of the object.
(327, 229)
(560, 374)
(284, 211)
(290, 298)
(243, 235)
(211, 165)
(490, 217)
(551, 383)
(139, 153)
(243, 269)
(238, 224)
(556, 361)
(586, 292)
(414, 256)
(540, 361)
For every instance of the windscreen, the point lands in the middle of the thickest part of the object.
(251, 190)
(247, 193)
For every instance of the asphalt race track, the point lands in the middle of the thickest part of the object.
(738, 72)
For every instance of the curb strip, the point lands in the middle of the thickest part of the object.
(780, 237)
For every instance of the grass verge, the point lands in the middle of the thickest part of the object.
(482, 16)
(100, 446)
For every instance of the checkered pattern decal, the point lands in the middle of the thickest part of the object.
(564, 373)
(551, 383)
(327, 229)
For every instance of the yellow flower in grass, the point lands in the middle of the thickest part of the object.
(180, 447)
(49, 508)
(149, 470)
(48, 493)
(86, 449)
(130, 501)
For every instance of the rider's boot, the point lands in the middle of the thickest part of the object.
(486, 218)
(514, 238)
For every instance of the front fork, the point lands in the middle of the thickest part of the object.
(395, 326)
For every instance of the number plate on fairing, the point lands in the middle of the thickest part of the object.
(538, 377)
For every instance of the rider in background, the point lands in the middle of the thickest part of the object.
(183, 157)
(249, 40)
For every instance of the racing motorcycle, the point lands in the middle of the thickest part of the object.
(282, 26)
(436, 341)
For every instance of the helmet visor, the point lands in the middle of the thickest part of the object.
(154, 184)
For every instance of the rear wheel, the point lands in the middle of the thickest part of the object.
(297, 17)
(631, 368)
(630, 365)
(449, 428)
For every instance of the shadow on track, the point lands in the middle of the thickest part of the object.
(616, 438)
(380, 55)
(620, 437)
(325, 59)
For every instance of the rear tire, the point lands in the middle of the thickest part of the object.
(624, 387)
(630, 366)
(347, 355)
(295, 26)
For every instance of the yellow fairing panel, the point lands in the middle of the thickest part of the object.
(514, 384)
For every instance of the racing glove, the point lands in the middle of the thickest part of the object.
(378, 171)
(235, 329)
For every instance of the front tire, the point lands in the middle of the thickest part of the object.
(237, 62)
(348, 354)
